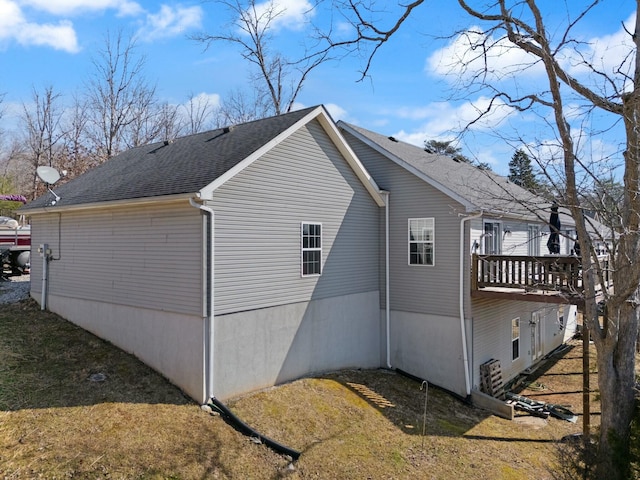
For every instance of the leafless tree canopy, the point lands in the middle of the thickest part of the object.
(118, 96)
(276, 79)
(117, 109)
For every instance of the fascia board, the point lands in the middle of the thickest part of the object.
(111, 204)
(352, 159)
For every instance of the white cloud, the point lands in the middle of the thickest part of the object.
(72, 7)
(204, 101)
(15, 27)
(170, 22)
(10, 15)
(475, 56)
(61, 36)
(291, 14)
(609, 54)
(473, 53)
(444, 120)
(198, 112)
(336, 111)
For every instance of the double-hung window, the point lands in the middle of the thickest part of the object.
(311, 255)
(515, 339)
(421, 241)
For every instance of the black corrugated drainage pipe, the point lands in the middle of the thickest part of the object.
(250, 432)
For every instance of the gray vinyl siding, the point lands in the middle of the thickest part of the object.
(147, 257)
(257, 228)
(417, 288)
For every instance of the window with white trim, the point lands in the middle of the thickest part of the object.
(492, 238)
(515, 338)
(561, 316)
(311, 254)
(421, 241)
(534, 241)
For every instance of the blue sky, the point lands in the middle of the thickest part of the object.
(415, 90)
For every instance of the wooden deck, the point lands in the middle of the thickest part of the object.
(549, 279)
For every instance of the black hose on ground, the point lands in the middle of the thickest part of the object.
(247, 430)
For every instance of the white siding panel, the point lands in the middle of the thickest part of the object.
(517, 241)
(515, 235)
(492, 334)
(258, 218)
(145, 257)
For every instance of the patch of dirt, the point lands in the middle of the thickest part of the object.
(559, 380)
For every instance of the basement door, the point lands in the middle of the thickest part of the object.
(536, 335)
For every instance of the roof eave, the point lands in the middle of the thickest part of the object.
(132, 202)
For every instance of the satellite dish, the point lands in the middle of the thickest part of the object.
(48, 174)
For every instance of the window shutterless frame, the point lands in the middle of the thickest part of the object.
(533, 241)
(515, 339)
(310, 249)
(492, 243)
(421, 241)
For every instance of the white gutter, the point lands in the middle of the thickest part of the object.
(208, 299)
(387, 303)
(463, 253)
(129, 202)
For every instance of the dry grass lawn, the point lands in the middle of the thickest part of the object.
(55, 422)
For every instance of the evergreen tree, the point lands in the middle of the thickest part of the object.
(444, 147)
(521, 171)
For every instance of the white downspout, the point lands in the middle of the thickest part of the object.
(386, 277)
(208, 298)
(463, 253)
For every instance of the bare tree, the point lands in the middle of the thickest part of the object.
(77, 157)
(42, 121)
(168, 122)
(2, 112)
(197, 114)
(118, 95)
(238, 107)
(521, 25)
(15, 168)
(277, 77)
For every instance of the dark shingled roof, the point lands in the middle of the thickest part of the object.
(481, 189)
(183, 166)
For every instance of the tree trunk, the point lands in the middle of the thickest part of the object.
(616, 378)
